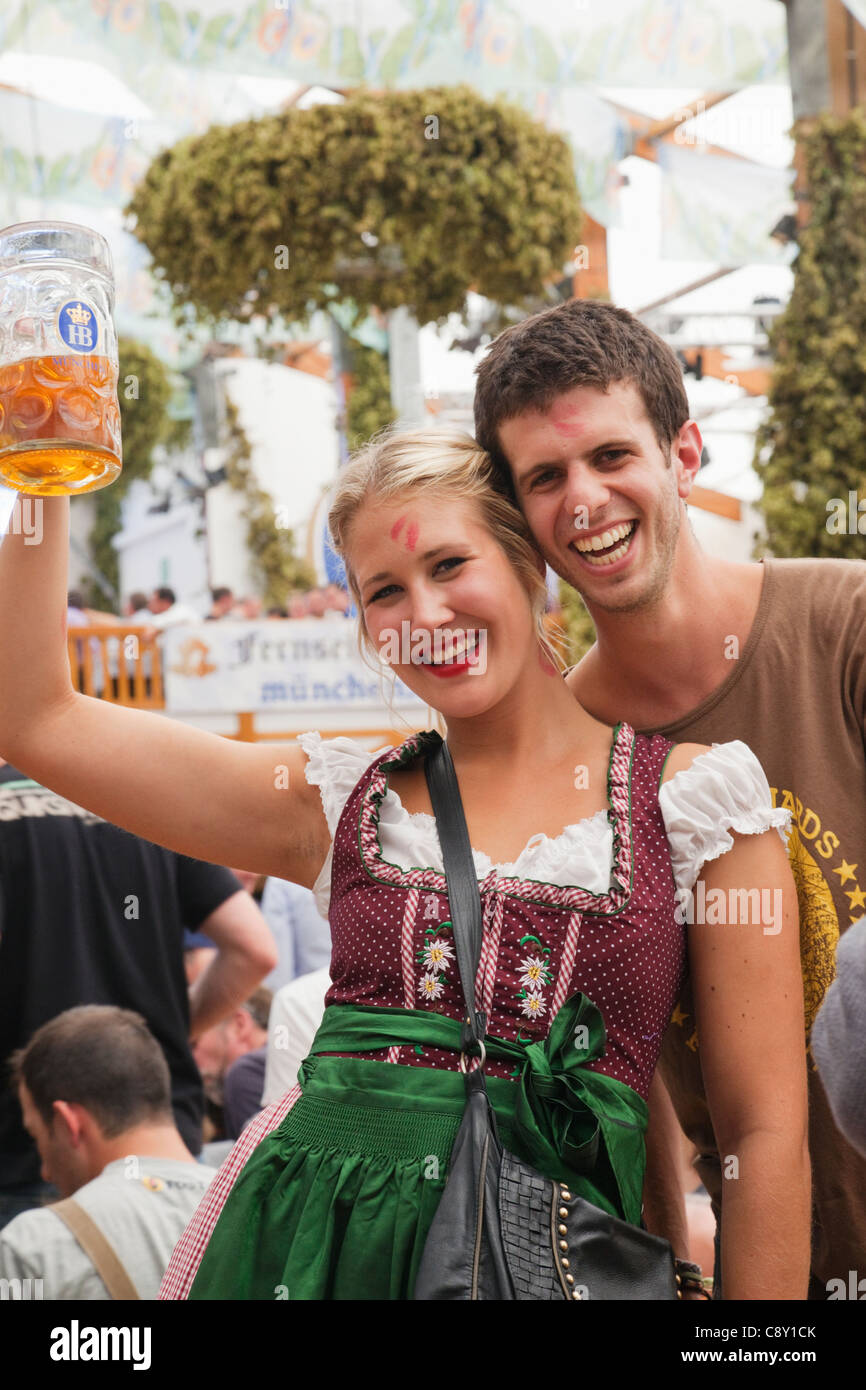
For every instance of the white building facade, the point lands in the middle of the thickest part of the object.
(197, 542)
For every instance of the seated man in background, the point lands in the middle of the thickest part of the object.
(231, 1059)
(95, 1093)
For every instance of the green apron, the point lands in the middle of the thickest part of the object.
(337, 1201)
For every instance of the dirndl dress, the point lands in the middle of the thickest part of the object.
(330, 1194)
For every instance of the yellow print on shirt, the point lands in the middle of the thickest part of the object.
(819, 920)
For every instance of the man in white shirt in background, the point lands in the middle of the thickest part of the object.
(95, 1094)
(166, 612)
(295, 1017)
(302, 935)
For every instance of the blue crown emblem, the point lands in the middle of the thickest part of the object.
(78, 325)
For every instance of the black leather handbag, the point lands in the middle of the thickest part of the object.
(502, 1230)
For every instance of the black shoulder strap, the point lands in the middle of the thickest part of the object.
(463, 896)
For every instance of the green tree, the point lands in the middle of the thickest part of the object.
(369, 407)
(576, 622)
(812, 447)
(276, 568)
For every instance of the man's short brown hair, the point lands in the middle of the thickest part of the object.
(584, 342)
(101, 1057)
(258, 1006)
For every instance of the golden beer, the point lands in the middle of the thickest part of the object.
(59, 424)
(59, 415)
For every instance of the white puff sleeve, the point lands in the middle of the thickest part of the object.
(334, 765)
(724, 789)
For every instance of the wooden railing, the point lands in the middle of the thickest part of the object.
(116, 662)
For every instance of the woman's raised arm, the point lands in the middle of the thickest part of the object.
(203, 795)
(745, 964)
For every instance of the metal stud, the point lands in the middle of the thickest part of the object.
(569, 1278)
(563, 1245)
(564, 1262)
(563, 1211)
(565, 1194)
(563, 1230)
(575, 1294)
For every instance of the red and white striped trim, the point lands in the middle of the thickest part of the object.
(566, 964)
(489, 957)
(187, 1254)
(407, 960)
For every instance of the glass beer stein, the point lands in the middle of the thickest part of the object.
(59, 416)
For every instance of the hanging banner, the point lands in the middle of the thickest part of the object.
(310, 667)
(718, 209)
(49, 151)
(599, 139)
(493, 44)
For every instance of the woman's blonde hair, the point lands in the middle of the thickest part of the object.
(447, 462)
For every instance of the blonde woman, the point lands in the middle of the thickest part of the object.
(588, 843)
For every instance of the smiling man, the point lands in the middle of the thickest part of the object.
(584, 411)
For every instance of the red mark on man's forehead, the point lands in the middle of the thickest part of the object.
(566, 419)
(412, 536)
(395, 529)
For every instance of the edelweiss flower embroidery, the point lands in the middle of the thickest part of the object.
(438, 954)
(534, 973)
(534, 1005)
(430, 986)
(435, 956)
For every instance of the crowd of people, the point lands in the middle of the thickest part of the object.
(163, 610)
(665, 839)
(135, 989)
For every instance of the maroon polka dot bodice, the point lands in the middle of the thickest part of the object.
(393, 944)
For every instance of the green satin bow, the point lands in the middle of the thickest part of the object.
(566, 1117)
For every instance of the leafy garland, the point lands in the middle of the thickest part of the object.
(368, 407)
(275, 565)
(812, 447)
(389, 199)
